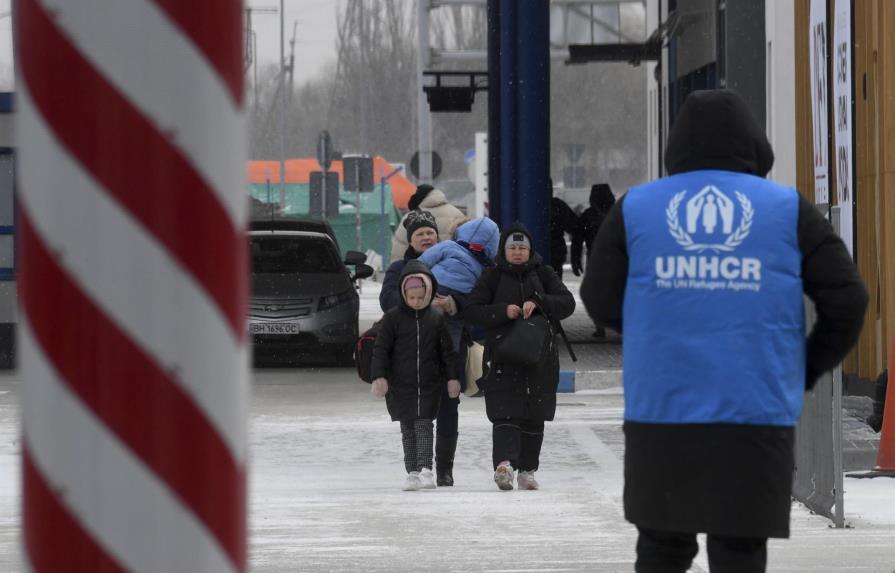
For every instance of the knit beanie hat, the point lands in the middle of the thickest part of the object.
(418, 219)
(518, 239)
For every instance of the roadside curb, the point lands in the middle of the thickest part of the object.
(571, 381)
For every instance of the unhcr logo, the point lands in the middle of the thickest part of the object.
(709, 213)
(709, 218)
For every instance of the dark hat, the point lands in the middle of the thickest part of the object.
(417, 220)
(419, 195)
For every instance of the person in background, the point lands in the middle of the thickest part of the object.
(426, 198)
(601, 201)
(457, 265)
(422, 229)
(716, 360)
(518, 399)
(562, 221)
(413, 363)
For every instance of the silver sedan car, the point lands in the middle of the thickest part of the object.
(304, 301)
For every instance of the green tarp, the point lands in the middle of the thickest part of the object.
(375, 235)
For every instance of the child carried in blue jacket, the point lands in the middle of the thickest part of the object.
(458, 263)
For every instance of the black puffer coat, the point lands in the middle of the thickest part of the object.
(724, 479)
(516, 391)
(413, 351)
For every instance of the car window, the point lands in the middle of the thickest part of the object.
(291, 255)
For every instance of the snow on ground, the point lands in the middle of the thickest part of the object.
(870, 501)
(327, 496)
(325, 493)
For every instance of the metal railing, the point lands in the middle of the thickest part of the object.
(817, 480)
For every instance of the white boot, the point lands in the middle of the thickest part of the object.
(526, 480)
(427, 479)
(503, 476)
(412, 483)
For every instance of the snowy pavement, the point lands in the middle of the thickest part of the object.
(325, 492)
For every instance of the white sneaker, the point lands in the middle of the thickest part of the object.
(526, 480)
(412, 483)
(427, 479)
(503, 476)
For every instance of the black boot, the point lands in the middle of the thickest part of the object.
(444, 460)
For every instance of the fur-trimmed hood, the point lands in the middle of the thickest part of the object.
(415, 268)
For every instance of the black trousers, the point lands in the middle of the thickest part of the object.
(518, 441)
(448, 419)
(672, 552)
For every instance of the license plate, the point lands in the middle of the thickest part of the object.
(274, 328)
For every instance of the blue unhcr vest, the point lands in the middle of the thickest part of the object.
(713, 313)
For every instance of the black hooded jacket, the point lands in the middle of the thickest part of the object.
(514, 391)
(562, 221)
(678, 476)
(414, 353)
(601, 201)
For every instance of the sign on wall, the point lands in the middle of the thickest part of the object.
(817, 52)
(842, 113)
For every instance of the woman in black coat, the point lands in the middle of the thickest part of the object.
(518, 399)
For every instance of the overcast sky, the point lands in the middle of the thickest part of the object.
(314, 45)
(315, 38)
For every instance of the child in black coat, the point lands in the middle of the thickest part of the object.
(412, 360)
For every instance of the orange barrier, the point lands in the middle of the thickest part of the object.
(885, 460)
(299, 171)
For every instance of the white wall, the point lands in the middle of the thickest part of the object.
(781, 89)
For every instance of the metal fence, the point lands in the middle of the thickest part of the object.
(817, 481)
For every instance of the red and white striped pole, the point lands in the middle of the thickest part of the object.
(133, 285)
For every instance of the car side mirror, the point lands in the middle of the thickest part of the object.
(362, 271)
(355, 258)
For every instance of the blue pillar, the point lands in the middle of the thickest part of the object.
(519, 105)
(533, 112)
(494, 94)
(508, 116)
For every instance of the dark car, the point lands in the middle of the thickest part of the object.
(304, 301)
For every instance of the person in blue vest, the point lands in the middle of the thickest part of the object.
(704, 271)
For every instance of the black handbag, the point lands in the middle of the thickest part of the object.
(526, 342)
